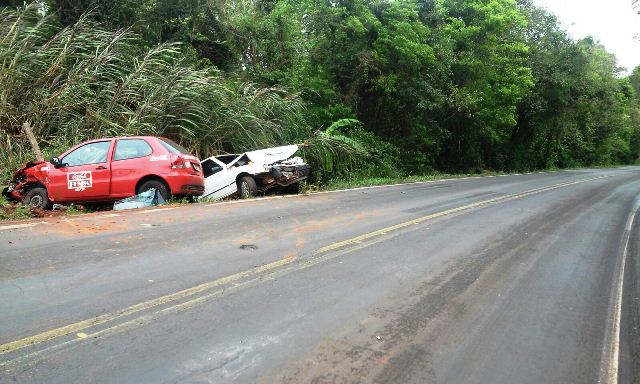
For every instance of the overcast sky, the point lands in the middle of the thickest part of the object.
(613, 22)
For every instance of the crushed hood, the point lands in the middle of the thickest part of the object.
(272, 155)
(28, 165)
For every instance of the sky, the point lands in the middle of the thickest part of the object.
(613, 22)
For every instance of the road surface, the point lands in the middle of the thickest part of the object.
(517, 279)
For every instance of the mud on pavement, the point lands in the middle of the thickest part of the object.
(397, 343)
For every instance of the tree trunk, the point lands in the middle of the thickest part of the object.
(26, 126)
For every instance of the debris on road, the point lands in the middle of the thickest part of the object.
(145, 199)
(252, 172)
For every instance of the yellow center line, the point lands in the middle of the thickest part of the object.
(148, 318)
(81, 325)
(254, 272)
(448, 212)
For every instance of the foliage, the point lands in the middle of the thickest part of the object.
(81, 82)
(578, 112)
(347, 150)
(373, 87)
(13, 212)
(490, 77)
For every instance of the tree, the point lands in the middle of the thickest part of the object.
(490, 77)
(456, 85)
(634, 78)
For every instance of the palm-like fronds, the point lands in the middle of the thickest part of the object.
(83, 82)
(346, 148)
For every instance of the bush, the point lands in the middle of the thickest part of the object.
(346, 150)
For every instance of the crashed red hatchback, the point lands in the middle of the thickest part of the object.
(106, 170)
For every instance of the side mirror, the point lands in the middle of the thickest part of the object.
(56, 162)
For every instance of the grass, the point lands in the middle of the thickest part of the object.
(379, 181)
(337, 184)
(16, 212)
(10, 211)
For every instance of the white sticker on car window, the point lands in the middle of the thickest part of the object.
(79, 181)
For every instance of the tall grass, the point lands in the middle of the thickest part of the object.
(83, 82)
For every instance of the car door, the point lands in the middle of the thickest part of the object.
(131, 162)
(85, 173)
(218, 182)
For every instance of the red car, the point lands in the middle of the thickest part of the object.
(106, 170)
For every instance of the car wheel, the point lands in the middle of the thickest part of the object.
(159, 186)
(247, 187)
(38, 198)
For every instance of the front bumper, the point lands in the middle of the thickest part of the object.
(11, 194)
(285, 175)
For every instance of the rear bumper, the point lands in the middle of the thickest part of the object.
(196, 190)
(180, 185)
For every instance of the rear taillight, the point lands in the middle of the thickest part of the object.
(180, 163)
(185, 162)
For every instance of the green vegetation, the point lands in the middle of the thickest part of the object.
(337, 184)
(375, 89)
(13, 212)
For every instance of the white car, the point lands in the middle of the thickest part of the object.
(247, 174)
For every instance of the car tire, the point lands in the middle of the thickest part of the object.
(247, 187)
(38, 198)
(159, 186)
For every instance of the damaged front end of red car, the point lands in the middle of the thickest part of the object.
(24, 179)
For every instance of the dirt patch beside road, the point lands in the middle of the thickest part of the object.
(10, 211)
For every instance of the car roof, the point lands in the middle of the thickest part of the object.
(123, 137)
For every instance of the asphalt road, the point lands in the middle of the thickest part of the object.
(515, 279)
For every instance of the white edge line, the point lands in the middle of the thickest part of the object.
(219, 203)
(611, 351)
(18, 226)
(224, 202)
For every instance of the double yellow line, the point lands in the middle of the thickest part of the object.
(240, 279)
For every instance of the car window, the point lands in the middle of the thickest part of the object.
(131, 149)
(210, 167)
(92, 153)
(244, 160)
(226, 158)
(172, 146)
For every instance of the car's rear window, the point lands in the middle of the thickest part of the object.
(172, 146)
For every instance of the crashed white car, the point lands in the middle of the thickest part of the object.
(247, 174)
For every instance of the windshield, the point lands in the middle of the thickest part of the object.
(172, 146)
(92, 153)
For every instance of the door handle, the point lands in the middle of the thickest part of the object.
(101, 168)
